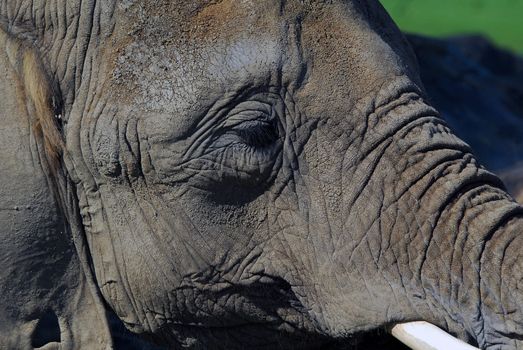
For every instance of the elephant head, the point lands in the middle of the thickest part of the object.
(255, 174)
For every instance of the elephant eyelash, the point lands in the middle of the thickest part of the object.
(257, 133)
(252, 123)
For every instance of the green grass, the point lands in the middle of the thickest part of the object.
(500, 20)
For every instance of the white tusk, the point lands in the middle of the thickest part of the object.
(425, 336)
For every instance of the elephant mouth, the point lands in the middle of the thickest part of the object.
(276, 318)
(260, 335)
(281, 322)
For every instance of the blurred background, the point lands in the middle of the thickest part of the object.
(499, 20)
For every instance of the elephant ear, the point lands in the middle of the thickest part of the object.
(49, 298)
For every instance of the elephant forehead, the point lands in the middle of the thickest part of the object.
(177, 80)
(180, 12)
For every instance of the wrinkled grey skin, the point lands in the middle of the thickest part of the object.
(243, 174)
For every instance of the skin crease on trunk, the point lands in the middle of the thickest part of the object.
(259, 174)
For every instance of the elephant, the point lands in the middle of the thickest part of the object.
(221, 174)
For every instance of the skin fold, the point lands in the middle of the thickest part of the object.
(241, 174)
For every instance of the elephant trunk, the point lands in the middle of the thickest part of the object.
(417, 229)
(500, 270)
(414, 227)
(459, 254)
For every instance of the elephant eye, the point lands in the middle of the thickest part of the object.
(245, 148)
(251, 123)
(259, 133)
